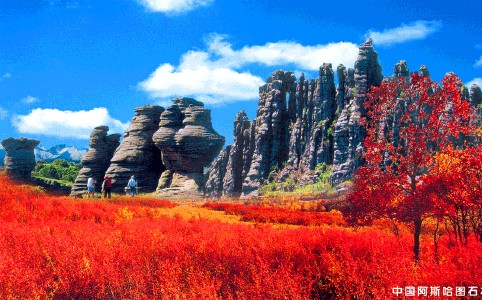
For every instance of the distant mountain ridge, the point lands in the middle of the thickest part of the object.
(69, 153)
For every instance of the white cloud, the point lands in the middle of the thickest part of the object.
(29, 99)
(406, 32)
(216, 75)
(71, 124)
(478, 63)
(3, 113)
(173, 6)
(5, 76)
(477, 81)
(207, 84)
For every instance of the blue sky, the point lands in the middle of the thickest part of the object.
(67, 66)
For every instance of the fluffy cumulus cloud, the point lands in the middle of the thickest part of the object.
(66, 124)
(173, 6)
(29, 99)
(417, 30)
(3, 113)
(219, 73)
(477, 81)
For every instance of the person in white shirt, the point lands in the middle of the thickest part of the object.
(132, 184)
(90, 187)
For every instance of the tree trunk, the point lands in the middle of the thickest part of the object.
(416, 238)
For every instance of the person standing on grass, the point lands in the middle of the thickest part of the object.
(107, 187)
(132, 184)
(90, 187)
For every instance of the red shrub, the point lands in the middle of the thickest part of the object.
(56, 248)
(279, 215)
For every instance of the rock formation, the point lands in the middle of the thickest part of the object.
(217, 173)
(188, 144)
(349, 134)
(299, 126)
(227, 173)
(325, 105)
(20, 158)
(137, 154)
(401, 70)
(96, 161)
(271, 140)
(475, 96)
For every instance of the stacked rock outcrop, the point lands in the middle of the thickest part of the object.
(320, 148)
(300, 126)
(96, 161)
(271, 142)
(137, 154)
(20, 158)
(228, 172)
(188, 144)
(475, 96)
(349, 134)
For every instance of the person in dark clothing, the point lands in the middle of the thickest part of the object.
(107, 186)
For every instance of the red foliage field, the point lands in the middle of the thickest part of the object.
(59, 248)
(279, 215)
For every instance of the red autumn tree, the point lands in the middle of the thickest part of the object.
(455, 187)
(408, 123)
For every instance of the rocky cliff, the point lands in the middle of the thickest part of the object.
(137, 154)
(271, 132)
(227, 173)
(299, 125)
(20, 158)
(349, 134)
(96, 161)
(166, 149)
(188, 143)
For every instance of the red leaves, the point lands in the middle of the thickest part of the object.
(279, 215)
(56, 248)
(409, 123)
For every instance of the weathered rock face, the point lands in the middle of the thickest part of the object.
(401, 70)
(325, 105)
(20, 158)
(227, 173)
(299, 126)
(321, 122)
(271, 131)
(476, 102)
(188, 143)
(137, 154)
(424, 71)
(96, 161)
(475, 95)
(217, 172)
(349, 134)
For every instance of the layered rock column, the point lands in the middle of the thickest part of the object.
(214, 186)
(20, 158)
(321, 142)
(349, 134)
(298, 108)
(401, 70)
(272, 131)
(96, 161)
(227, 173)
(475, 96)
(137, 154)
(188, 143)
